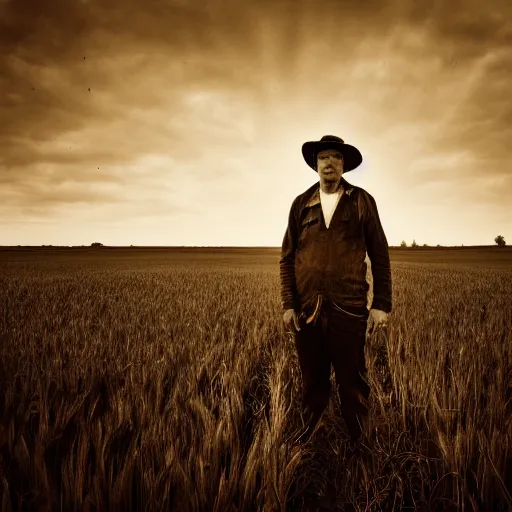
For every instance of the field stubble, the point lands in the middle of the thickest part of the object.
(175, 387)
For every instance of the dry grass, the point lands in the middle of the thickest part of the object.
(159, 387)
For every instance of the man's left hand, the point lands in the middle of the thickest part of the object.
(377, 320)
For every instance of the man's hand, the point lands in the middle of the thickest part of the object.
(377, 320)
(291, 320)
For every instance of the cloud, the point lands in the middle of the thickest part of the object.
(107, 106)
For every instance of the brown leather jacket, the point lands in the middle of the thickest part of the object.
(320, 264)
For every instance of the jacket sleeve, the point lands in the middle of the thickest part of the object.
(378, 252)
(289, 299)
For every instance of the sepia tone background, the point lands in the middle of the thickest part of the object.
(175, 123)
(165, 378)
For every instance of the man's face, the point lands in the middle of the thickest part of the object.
(330, 164)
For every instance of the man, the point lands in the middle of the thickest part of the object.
(331, 227)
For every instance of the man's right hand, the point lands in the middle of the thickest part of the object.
(290, 319)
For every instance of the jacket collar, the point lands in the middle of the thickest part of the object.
(315, 196)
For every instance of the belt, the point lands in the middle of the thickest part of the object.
(312, 318)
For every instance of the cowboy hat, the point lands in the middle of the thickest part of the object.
(352, 158)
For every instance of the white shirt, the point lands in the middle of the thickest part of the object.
(329, 203)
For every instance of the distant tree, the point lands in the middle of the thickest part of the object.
(414, 244)
(500, 240)
(438, 245)
(425, 245)
(96, 244)
(403, 244)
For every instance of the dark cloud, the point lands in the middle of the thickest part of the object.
(51, 90)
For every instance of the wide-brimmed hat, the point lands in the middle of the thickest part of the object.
(351, 155)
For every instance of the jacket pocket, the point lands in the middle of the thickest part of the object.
(310, 219)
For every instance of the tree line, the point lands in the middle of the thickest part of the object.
(499, 240)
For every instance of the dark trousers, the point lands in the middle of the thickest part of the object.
(337, 337)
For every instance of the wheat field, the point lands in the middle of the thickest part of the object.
(137, 380)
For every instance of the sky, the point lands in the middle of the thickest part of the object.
(172, 122)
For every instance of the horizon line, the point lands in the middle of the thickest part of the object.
(418, 246)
